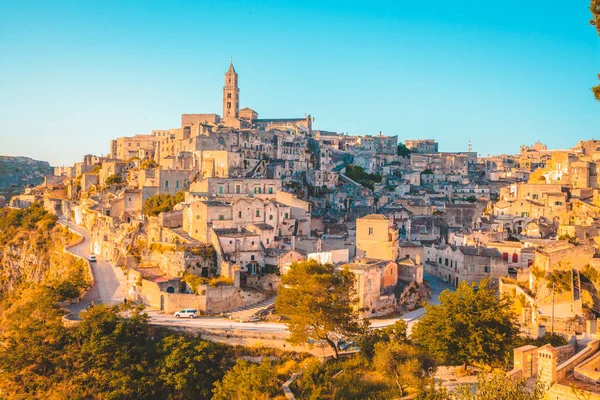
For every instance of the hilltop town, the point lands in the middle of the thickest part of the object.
(211, 214)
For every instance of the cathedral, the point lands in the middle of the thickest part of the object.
(247, 118)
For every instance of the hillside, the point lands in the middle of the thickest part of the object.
(18, 172)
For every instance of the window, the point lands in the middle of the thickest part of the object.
(515, 257)
(270, 217)
(505, 256)
(267, 240)
(231, 242)
(558, 203)
(237, 189)
(251, 258)
(446, 262)
(239, 214)
(440, 260)
(258, 213)
(271, 190)
(221, 217)
(176, 184)
(228, 105)
(220, 189)
(486, 269)
(369, 285)
(536, 196)
(166, 184)
(228, 95)
(370, 229)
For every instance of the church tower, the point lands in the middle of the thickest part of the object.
(231, 94)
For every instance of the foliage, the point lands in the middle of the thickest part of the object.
(194, 281)
(427, 172)
(189, 366)
(498, 386)
(162, 203)
(467, 326)
(12, 220)
(113, 180)
(403, 150)
(358, 174)
(249, 381)
(560, 279)
(595, 21)
(370, 337)
(319, 303)
(340, 379)
(404, 364)
(471, 199)
(148, 164)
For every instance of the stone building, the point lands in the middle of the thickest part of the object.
(471, 264)
(376, 237)
(375, 284)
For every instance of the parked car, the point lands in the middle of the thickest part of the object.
(186, 313)
(92, 258)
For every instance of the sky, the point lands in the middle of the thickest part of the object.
(76, 74)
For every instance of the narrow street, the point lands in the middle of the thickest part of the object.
(109, 282)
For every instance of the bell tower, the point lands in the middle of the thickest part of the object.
(231, 94)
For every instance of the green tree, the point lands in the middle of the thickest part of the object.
(114, 353)
(403, 150)
(499, 386)
(248, 381)
(319, 303)
(189, 367)
(403, 364)
(162, 203)
(113, 179)
(595, 21)
(370, 337)
(467, 326)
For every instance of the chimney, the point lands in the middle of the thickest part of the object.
(239, 229)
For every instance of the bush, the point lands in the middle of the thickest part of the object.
(113, 180)
(162, 203)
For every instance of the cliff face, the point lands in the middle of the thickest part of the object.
(32, 251)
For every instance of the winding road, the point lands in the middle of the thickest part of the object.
(109, 282)
(110, 287)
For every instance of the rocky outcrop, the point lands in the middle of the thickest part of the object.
(35, 256)
(22, 171)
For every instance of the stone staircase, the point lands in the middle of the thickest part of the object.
(246, 313)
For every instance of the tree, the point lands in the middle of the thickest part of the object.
(403, 363)
(189, 367)
(370, 337)
(162, 203)
(467, 326)
(248, 381)
(113, 179)
(499, 386)
(595, 21)
(403, 150)
(319, 303)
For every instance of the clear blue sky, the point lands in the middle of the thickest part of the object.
(74, 75)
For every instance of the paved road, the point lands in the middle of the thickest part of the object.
(437, 287)
(109, 282)
(110, 288)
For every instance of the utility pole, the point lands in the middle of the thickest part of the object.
(552, 307)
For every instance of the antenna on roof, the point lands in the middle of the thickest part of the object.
(469, 147)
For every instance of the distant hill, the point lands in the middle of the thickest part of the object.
(18, 172)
